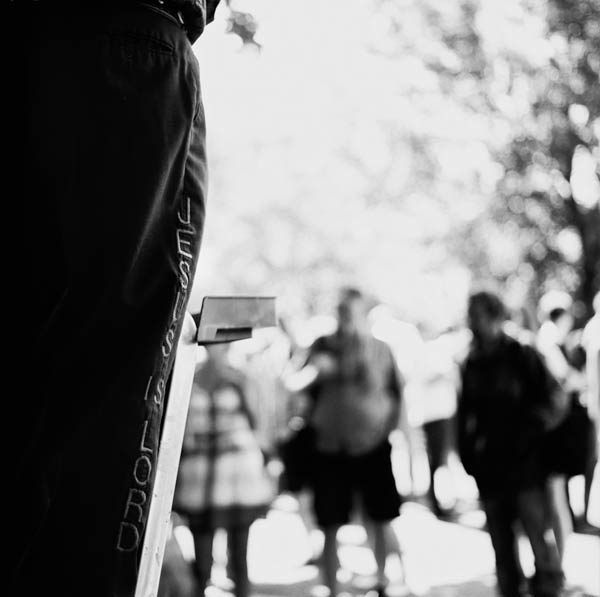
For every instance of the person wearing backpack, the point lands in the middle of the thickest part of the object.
(508, 402)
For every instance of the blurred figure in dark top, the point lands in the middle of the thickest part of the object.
(508, 401)
(110, 174)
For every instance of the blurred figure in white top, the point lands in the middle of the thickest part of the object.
(436, 384)
(557, 323)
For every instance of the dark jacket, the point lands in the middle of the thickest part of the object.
(508, 402)
(196, 15)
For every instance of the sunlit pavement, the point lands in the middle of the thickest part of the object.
(440, 559)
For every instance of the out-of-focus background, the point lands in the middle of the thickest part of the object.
(416, 149)
(412, 146)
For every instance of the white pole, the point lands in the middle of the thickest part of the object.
(157, 526)
(234, 318)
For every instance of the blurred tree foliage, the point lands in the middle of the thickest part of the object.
(243, 24)
(551, 186)
(537, 80)
(411, 146)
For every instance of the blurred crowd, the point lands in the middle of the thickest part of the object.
(340, 411)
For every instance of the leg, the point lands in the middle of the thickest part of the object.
(391, 540)
(237, 553)
(559, 510)
(590, 469)
(393, 547)
(332, 506)
(500, 515)
(383, 549)
(383, 542)
(408, 433)
(315, 534)
(376, 485)
(432, 497)
(330, 563)
(588, 479)
(533, 508)
(203, 559)
(433, 433)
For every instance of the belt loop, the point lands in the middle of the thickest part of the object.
(171, 10)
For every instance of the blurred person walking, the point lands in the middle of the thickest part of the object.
(222, 480)
(357, 397)
(437, 384)
(408, 442)
(508, 401)
(570, 446)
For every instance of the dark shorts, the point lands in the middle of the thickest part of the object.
(342, 484)
(571, 449)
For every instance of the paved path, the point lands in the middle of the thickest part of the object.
(441, 559)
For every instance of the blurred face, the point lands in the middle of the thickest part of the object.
(484, 326)
(352, 315)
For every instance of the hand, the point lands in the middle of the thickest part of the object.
(325, 363)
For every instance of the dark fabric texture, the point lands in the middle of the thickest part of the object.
(506, 400)
(570, 447)
(194, 14)
(191, 15)
(438, 442)
(232, 517)
(297, 452)
(530, 509)
(344, 485)
(112, 142)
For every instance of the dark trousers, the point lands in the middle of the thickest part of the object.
(111, 157)
(530, 509)
(438, 442)
(237, 559)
